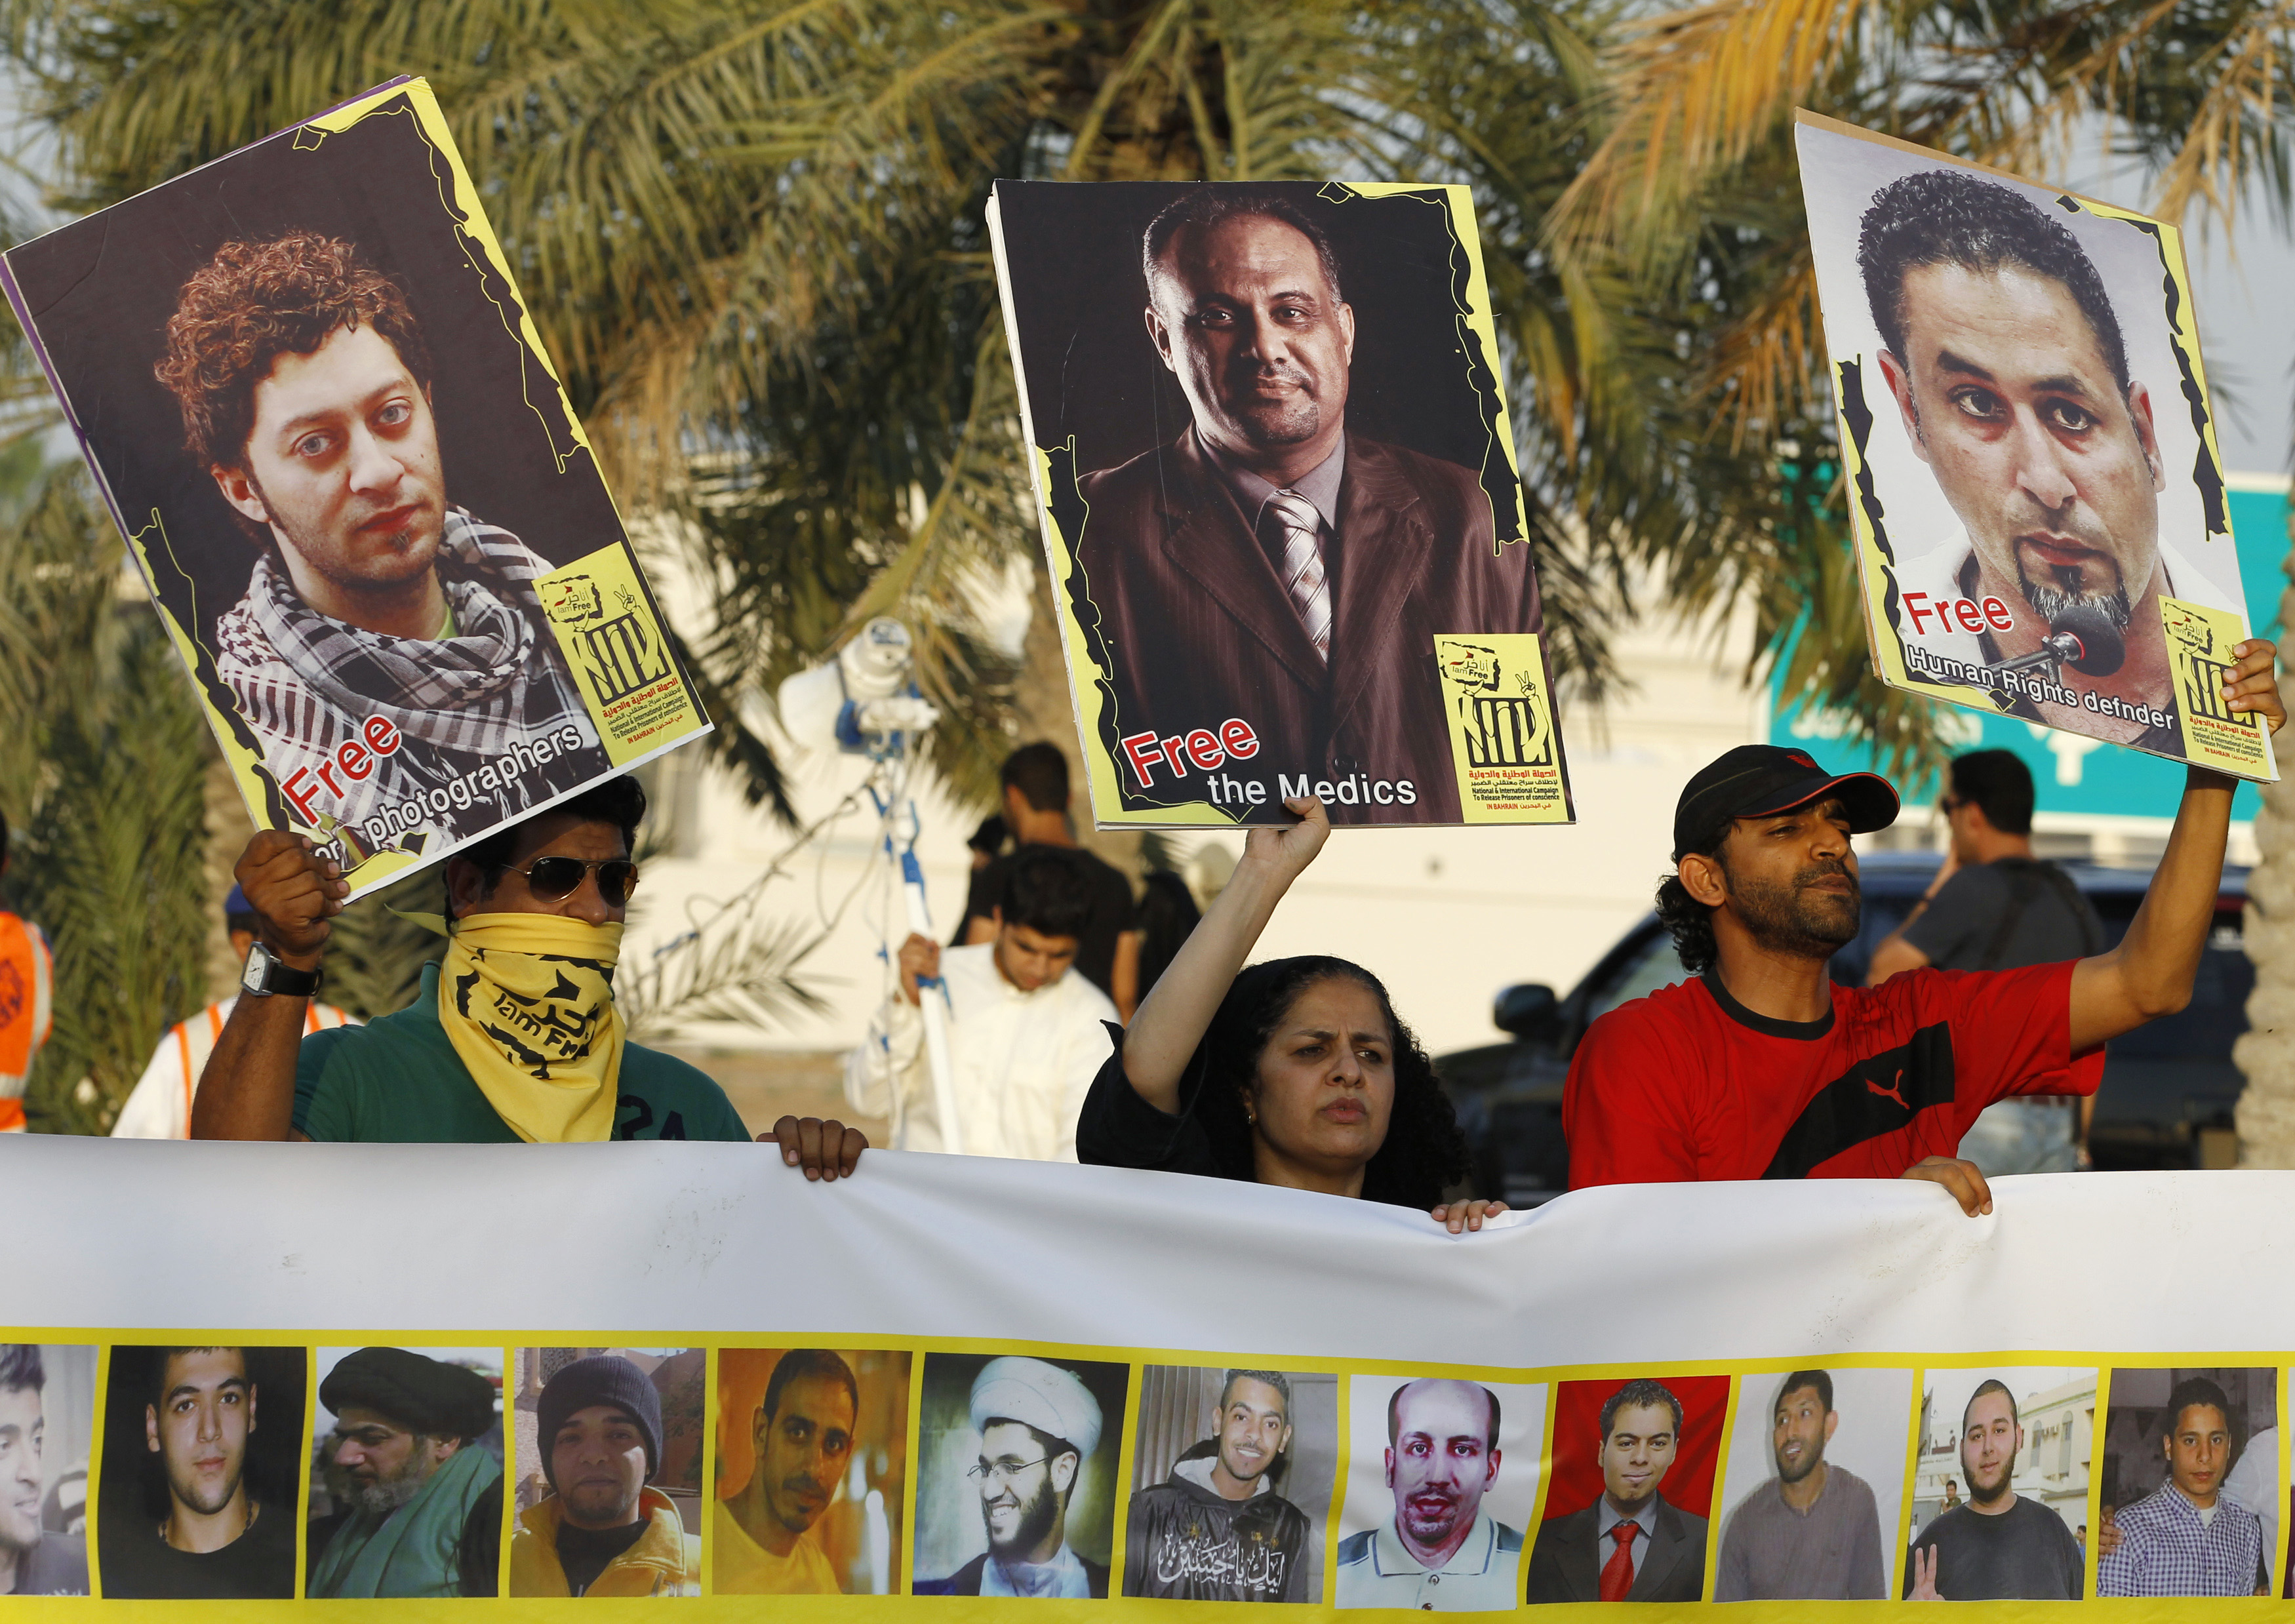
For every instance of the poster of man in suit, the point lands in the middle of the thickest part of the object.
(1288, 537)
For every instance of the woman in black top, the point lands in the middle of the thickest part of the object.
(1295, 1072)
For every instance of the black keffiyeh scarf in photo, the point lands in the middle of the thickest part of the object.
(498, 680)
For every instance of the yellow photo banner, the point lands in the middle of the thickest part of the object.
(955, 1388)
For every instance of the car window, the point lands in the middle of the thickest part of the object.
(1656, 965)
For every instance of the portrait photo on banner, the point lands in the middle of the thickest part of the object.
(1017, 1480)
(1632, 1499)
(1287, 540)
(812, 1470)
(361, 503)
(2188, 1483)
(606, 1456)
(1441, 1483)
(202, 1473)
(405, 1494)
(47, 1429)
(2032, 478)
(1814, 1485)
(2000, 1488)
(1231, 1477)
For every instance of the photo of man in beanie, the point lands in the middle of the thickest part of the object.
(603, 1530)
(421, 1494)
(1038, 1424)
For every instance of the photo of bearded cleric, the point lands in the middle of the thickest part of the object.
(1276, 471)
(1627, 1511)
(200, 1469)
(1017, 1490)
(406, 1464)
(1441, 1479)
(1231, 1476)
(356, 490)
(813, 1452)
(2020, 377)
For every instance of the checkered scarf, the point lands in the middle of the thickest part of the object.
(476, 692)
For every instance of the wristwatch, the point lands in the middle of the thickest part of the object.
(264, 975)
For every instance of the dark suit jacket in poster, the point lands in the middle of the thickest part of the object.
(1565, 1567)
(1199, 628)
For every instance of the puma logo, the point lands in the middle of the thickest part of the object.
(1895, 1090)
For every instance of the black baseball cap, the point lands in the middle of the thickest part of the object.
(1761, 781)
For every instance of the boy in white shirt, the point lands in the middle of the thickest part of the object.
(1027, 1035)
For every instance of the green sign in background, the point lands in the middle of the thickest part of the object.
(2102, 777)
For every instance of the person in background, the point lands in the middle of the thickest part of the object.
(986, 845)
(2249, 1482)
(1035, 780)
(27, 980)
(603, 1530)
(1994, 906)
(1167, 913)
(1025, 1034)
(1295, 1072)
(159, 1106)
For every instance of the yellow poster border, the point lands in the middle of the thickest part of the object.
(1086, 679)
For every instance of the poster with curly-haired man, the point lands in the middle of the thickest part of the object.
(308, 390)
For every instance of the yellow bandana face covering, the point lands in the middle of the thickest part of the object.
(527, 1001)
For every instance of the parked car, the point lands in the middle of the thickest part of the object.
(2168, 1087)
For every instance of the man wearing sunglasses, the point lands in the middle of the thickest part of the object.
(515, 1037)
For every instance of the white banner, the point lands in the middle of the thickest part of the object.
(1136, 1329)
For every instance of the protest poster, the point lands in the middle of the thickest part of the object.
(313, 398)
(1284, 524)
(2034, 486)
(949, 1381)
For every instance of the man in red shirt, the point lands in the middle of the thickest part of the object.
(1762, 1068)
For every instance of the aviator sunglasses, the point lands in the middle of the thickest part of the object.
(553, 878)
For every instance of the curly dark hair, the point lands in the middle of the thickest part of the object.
(253, 302)
(1944, 217)
(1424, 1152)
(1688, 920)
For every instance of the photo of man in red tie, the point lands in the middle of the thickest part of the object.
(1631, 1543)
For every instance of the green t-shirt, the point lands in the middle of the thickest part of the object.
(398, 1082)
